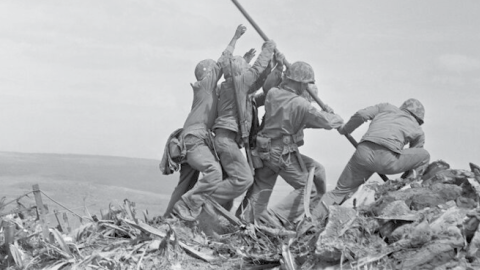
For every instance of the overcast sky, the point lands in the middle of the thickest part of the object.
(113, 77)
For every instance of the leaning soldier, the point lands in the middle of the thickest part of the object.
(197, 139)
(270, 80)
(287, 113)
(381, 148)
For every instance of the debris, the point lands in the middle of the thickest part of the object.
(417, 223)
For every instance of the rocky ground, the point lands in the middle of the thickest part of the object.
(417, 223)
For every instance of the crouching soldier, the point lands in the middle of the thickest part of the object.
(197, 140)
(381, 148)
(287, 113)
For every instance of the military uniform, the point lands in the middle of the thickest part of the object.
(381, 148)
(286, 115)
(197, 139)
(233, 92)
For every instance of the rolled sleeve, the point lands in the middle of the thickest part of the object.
(254, 72)
(321, 119)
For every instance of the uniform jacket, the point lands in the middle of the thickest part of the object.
(390, 127)
(227, 105)
(204, 105)
(287, 113)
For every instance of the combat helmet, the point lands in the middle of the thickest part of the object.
(300, 72)
(203, 67)
(414, 107)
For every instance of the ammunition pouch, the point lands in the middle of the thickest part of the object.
(256, 161)
(168, 165)
(264, 144)
(177, 150)
(290, 145)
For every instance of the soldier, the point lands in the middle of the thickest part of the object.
(197, 139)
(273, 79)
(381, 148)
(287, 113)
(233, 122)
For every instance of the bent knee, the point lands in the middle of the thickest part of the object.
(242, 183)
(427, 155)
(213, 169)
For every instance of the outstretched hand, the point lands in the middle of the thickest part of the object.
(240, 31)
(248, 56)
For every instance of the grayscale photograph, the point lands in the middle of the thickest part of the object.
(239, 134)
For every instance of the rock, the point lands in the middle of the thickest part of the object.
(476, 171)
(451, 218)
(466, 203)
(475, 186)
(433, 196)
(328, 247)
(470, 225)
(473, 249)
(431, 255)
(433, 168)
(433, 244)
(365, 195)
(400, 232)
(421, 201)
(394, 215)
(388, 227)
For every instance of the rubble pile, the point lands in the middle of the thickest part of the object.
(427, 223)
(115, 240)
(430, 222)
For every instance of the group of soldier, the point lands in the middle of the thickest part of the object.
(223, 120)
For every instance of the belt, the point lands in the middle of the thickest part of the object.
(289, 145)
(225, 133)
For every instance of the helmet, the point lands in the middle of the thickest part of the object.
(235, 65)
(301, 72)
(203, 67)
(415, 108)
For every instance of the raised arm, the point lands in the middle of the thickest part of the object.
(238, 33)
(227, 53)
(254, 72)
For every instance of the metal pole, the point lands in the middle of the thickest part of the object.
(315, 97)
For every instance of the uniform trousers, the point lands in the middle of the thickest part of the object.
(238, 173)
(290, 208)
(370, 158)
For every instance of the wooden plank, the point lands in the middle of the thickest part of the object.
(9, 232)
(128, 209)
(147, 228)
(61, 224)
(230, 217)
(41, 212)
(67, 223)
(9, 235)
(307, 192)
(476, 171)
